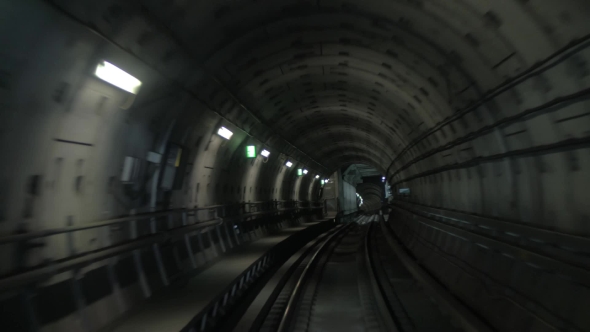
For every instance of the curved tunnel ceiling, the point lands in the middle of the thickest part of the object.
(379, 73)
(309, 73)
(317, 75)
(389, 69)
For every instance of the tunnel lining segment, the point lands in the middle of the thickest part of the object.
(304, 157)
(538, 68)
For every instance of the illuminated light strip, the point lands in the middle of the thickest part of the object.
(116, 76)
(225, 133)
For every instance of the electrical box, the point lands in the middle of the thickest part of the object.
(131, 169)
(173, 167)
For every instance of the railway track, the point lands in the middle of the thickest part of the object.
(348, 280)
(410, 306)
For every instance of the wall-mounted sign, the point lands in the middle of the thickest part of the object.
(250, 151)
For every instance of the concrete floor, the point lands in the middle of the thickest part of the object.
(173, 309)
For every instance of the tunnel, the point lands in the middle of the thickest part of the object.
(148, 143)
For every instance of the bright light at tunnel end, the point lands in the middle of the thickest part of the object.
(265, 153)
(116, 76)
(288, 164)
(225, 133)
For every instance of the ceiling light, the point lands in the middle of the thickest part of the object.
(288, 164)
(225, 133)
(305, 171)
(265, 153)
(317, 176)
(110, 73)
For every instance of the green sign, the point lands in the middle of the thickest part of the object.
(251, 151)
(299, 171)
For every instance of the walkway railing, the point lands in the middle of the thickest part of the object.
(136, 231)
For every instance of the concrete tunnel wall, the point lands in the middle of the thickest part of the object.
(67, 127)
(477, 106)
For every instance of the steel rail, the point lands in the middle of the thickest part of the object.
(4, 239)
(305, 275)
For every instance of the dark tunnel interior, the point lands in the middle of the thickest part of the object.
(464, 123)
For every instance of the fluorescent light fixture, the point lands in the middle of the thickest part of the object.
(317, 176)
(250, 151)
(305, 171)
(299, 171)
(225, 133)
(265, 153)
(288, 164)
(110, 73)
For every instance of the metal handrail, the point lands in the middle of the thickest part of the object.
(77, 260)
(48, 232)
(90, 225)
(27, 277)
